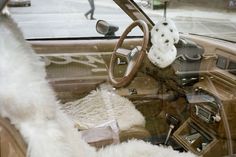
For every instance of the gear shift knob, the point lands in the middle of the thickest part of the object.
(173, 122)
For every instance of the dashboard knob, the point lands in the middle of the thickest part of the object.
(216, 118)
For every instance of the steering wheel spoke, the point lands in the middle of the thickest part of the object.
(124, 53)
(129, 68)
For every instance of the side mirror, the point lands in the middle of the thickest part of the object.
(106, 28)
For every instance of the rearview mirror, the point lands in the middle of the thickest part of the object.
(106, 28)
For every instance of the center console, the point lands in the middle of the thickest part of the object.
(194, 134)
(195, 138)
(203, 133)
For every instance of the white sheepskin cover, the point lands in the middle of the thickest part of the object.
(138, 148)
(102, 106)
(30, 103)
(163, 37)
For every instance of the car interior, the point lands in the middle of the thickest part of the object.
(190, 105)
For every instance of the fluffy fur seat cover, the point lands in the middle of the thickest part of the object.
(30, 103)
(102, 106)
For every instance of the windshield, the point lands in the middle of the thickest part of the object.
(68, 18)
(214, 18)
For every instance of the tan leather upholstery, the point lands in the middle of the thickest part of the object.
(136, 132)
(11, 142)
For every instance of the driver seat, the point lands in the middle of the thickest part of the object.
(102, 106)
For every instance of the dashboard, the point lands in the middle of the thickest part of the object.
(211, 99)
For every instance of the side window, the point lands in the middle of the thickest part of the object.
(68, 18)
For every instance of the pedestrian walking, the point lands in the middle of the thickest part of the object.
(91, 11)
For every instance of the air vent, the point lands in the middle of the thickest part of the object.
(232, 67)
(221, 62)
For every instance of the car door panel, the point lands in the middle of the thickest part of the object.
(75, 67)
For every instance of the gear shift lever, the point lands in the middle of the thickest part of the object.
(173, 122)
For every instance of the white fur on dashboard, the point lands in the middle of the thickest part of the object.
(163, 37)
(29, 102)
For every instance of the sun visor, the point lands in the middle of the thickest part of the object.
(2, 4)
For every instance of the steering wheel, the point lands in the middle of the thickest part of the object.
(134, 57)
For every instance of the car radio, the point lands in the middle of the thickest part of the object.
(202, 113)
(205, 113)
(204, 107)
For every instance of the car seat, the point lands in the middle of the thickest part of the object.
(102, 106)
